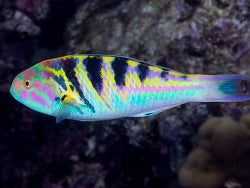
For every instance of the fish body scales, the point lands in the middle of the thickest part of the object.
(118, 85)
(102, 87)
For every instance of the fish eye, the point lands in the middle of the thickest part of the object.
(27, 84)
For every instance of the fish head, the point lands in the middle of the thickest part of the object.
(35, 88)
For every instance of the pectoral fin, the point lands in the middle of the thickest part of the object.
(63, 112)
(68, 105)
(66, 110)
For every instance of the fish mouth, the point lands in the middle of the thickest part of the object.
(13, 94)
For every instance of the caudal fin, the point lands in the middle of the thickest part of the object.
(226, 88)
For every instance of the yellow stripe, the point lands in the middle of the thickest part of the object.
(156, 69)
(132, 80)
(107, 60)
(132, 63)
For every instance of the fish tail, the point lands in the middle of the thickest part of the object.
(225, 88)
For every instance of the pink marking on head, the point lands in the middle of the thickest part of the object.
(44, 88)
(17, 84)
(29, 74)
(47, 74)
(23, 95)
(37, 84)
(38, 98)
(45, 63)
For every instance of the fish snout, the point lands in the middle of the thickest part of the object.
(16, 85)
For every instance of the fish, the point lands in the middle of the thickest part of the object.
(90, 87)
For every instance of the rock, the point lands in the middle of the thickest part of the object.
(222, 153)
(202, 169)
(230, 140)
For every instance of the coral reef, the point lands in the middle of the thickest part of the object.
(192, 36)
(222, 154)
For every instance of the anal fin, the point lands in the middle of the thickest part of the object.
(151, 113)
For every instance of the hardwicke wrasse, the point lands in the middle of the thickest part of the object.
(103, 87)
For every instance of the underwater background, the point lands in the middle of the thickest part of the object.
(196, 145)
